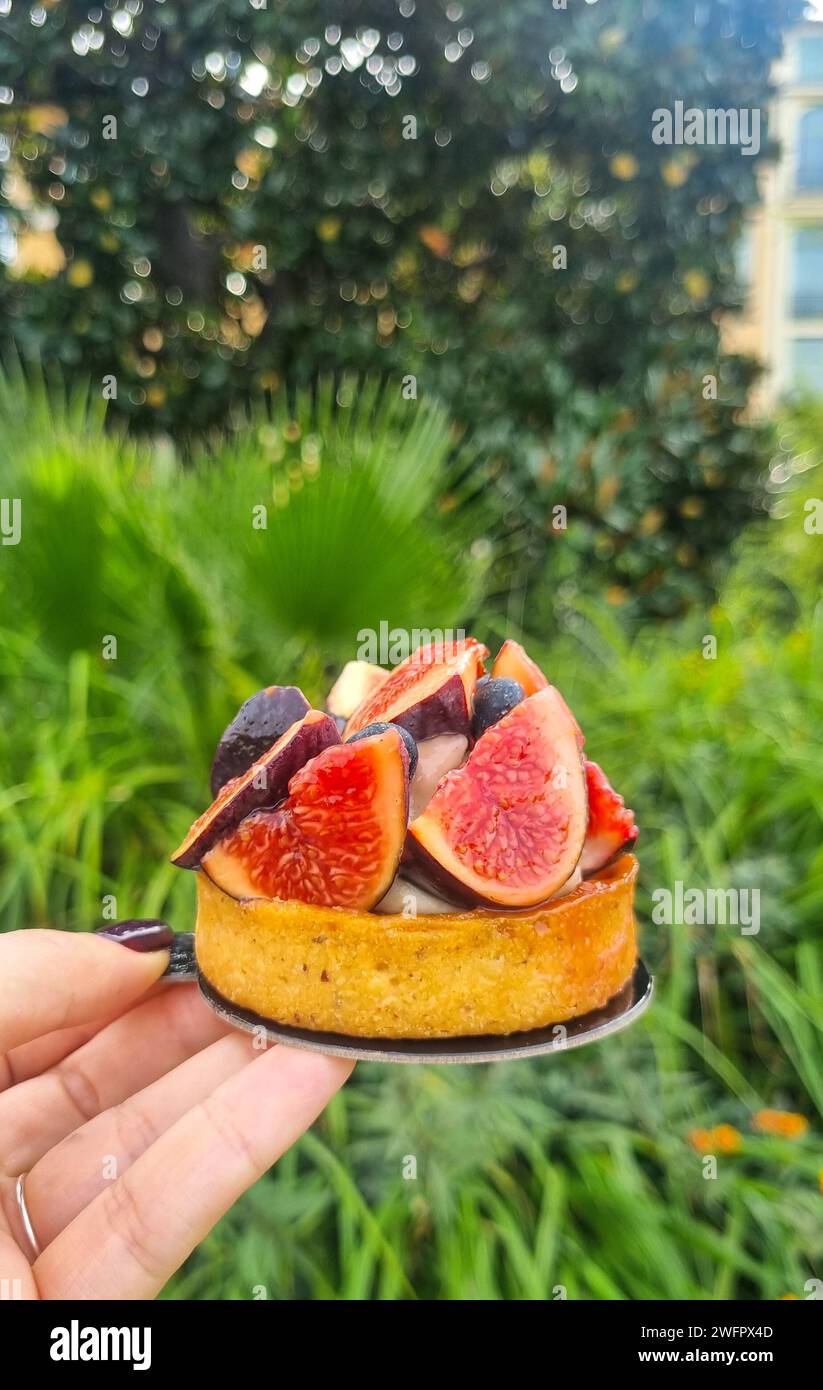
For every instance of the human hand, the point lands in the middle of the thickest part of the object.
(136, 1116)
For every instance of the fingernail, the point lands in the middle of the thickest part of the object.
(145, 935)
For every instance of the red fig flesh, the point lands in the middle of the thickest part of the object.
(429, 693)
(508, 827)
(338, 838)
(514, 663)
(263, 784)
(356, 682)
(612, 827)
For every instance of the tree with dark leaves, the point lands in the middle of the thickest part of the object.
(208, 201)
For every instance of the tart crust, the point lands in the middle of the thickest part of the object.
(450, 975)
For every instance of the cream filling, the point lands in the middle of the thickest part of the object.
(435, 757)
(407, 900)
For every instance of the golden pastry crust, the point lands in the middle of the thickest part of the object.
(456, 974)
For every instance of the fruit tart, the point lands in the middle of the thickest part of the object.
(431, 856)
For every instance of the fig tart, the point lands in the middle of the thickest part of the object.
(432, 856)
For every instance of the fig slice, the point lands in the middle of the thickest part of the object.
(429, 693)
(338, 838)
(612, 827)
(259, 723)
(514, 663)
(263, 784)
(356, 682)
(507, 828)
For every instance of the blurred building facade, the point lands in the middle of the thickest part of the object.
(781, 254)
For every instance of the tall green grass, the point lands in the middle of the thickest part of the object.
(574, 1175)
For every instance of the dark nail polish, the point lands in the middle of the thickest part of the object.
(139, 935)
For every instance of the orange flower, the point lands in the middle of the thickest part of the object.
(724, 1139)
(701, 1140)
(784, 1123)
(728, 1139)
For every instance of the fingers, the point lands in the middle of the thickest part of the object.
(51, 980)
(131, 1052)
(70, 1176)
(140, 1229)
(32, 1058)
(16, 1277)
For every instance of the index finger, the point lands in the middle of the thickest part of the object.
(53, 979)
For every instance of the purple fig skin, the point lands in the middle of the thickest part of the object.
(494, 696)
(259, 723)
(443, 711)
(422, 869)
(272, 773)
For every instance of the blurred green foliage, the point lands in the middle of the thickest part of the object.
(120, 540)
(261, 217)
(577, 1171)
